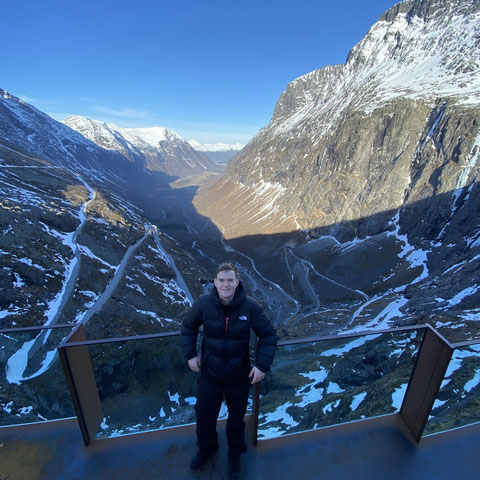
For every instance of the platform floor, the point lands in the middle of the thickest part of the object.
(372, 449)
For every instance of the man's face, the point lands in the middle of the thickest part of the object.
(226, 283)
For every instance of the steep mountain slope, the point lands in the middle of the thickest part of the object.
(368, 175)
(76, 244)
(350, 141)
(155, 148)
(70, 247)
(74, 251)
(35, 132)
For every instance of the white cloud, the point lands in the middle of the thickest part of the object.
(124, 112)
(28, 99)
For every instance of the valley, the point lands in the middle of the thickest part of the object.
(356, 208)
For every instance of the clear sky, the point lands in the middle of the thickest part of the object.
(210, 70)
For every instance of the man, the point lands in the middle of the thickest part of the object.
(227, 315)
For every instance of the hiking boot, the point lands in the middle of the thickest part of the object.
(201, 457)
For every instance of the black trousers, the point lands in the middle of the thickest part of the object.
(209, 400)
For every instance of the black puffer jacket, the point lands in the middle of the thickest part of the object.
(225, 350)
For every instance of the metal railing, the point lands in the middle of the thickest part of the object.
(329, 380)
(418, 381)
(126, 385)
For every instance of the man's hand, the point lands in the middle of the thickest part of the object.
(257, 375)
(194, 364)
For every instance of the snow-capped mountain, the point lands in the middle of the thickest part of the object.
(37, 133)
(349, 141)
(216, 147)
(221, 153)
(376, 161)
(154, 148)
(68, 219)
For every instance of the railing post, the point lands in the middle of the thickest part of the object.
(256, 401)
(432, 362)
(255, 412)
(78, 370)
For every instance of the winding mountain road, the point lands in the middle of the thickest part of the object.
(19, 361)
(180, 280)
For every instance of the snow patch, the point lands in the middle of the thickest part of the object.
(357, 400)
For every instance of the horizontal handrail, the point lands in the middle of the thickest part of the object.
(67, 343)
(467, 343)
(425, 328)
(363, 333)
(419, 401)
(32, 329)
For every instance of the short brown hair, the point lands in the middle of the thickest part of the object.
(226, 267)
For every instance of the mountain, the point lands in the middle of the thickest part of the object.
(72, 215)
(355, 208)
(154, 148)
(65, 239)
(350, 141)
(73, 249)
(367, 174)
(221, 153)
(216, 147)
(35, 132)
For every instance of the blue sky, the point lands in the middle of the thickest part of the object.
(210, 70)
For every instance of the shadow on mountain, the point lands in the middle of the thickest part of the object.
(368, 254)
(426, 253)
(332, 277)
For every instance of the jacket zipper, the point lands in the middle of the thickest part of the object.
(226, 324)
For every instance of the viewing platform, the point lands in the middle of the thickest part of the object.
(375, 449)
(392, 404)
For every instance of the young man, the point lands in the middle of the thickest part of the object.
(227, 315)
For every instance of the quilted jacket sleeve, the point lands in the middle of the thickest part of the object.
(189, 331)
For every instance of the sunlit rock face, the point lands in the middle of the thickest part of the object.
(367, 174)
(350, 145)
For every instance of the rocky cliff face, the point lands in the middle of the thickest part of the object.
(397, 123)
(367, 174)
